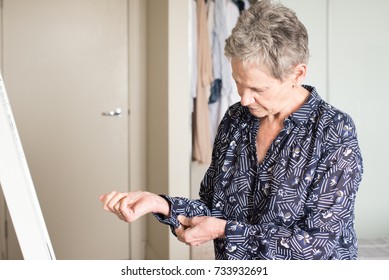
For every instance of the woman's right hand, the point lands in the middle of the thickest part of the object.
(129, 206)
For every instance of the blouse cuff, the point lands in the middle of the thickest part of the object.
(177, 207)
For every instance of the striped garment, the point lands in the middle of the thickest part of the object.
(298, 203)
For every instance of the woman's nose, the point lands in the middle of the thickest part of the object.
(246, 98)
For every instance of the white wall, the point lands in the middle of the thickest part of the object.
(313, 14)
(358, 75)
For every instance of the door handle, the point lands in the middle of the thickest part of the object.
(113, 113)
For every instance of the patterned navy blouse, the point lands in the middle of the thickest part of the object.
(298, 203)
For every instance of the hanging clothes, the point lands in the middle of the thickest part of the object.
(193, 56)
(216, 84)
(226, 14)
(218, 17)
(202, 146)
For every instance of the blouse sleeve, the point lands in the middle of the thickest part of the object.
(191, 207)
(198, 207)
(326, 229)
(182, 206)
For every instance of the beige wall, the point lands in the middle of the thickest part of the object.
(168, 122)
(137, 129)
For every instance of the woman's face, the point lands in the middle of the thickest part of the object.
(260, 92)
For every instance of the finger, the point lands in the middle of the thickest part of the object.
(122, 205)
(118, 210)
(106, 198)
(120, 215)
(190, 222)
(188, 236)
(180, 233)
(184, 221)
(123, 210)
(180, 230)
(128, 211)
(112, 205)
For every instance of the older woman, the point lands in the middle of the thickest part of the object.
(286, 165)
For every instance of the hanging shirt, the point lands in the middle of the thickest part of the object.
(193, 49)
(226, 15)
(298, 203)
(202, 145)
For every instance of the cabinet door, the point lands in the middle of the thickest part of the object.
(359, 73)
(65, 68)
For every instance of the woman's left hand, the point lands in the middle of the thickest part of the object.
(198, 230)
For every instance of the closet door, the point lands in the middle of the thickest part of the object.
(65, 69)
(359, 74)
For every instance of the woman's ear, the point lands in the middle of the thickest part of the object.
(299, 73)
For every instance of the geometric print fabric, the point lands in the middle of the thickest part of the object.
(298, 203)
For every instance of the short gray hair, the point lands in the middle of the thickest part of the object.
(271, 36)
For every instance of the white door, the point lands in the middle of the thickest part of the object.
(65, 66)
